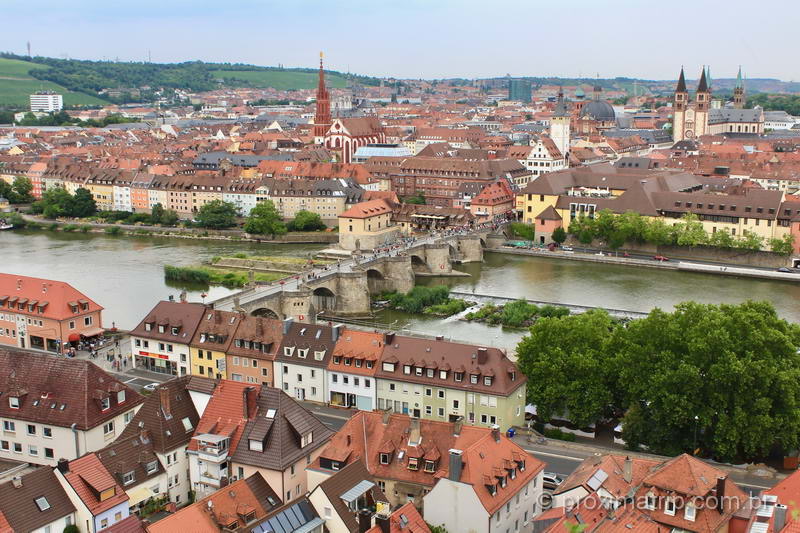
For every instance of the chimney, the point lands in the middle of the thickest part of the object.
(496, 433)
(163, 396)
(364, 520)
(721, 494)
(217, 317)
(780, 518)
(414, 431)
(349, 440)
(382, 521)
(457, 425)
(627, 470)
(63, 466)
(249, 400)
(259, 327)
(386, 414)
(456, 465)
(389, 338)
(17, 482)
(439, 337)
(483, 356)
(287, 323)
(183, 297)
(336, 332)
(171, 298)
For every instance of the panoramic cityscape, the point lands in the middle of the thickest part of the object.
(317, 280)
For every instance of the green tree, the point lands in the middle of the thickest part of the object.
(689, 231)
(216, 214)
(571, 367)
(658, 232)
(749, 241)
(721, 239)
(734, 367)
(306, 221)
(523, 231)
(22, 189)
(157, 213)
(783, 245)
(83, 204)
(169, 218)
(605, 224)
(55, 202)
(72, 528)
(632, 225)
(559, 235)
(265, 219)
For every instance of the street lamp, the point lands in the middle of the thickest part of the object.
(694, 444)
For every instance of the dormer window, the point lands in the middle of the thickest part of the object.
(358, 363)
(418, 371)
(406, 369)
(473, 378)
(175, 330)
(430, 466)
(413, 463)
(459, 376)
(492, 489)
(148, 326)
(302, 353)
(161, 328)
(385, 458)
(442, 374)
(487, 380)
(237, 343)
(105, 404)
(689, 512)
(307, 439)
(669, 506)
(121, 397)
(430, 372)
(388, 367)
(13, 402)
(348, 361)
(151, 467)
(513, 473)
(503, 482)
(513, 376)
(256, 445)
(287, 351)
(369, 364)
(337, 359)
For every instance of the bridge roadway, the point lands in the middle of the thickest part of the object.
(488, 298)
(299, 286)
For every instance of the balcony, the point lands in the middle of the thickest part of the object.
(210, 479)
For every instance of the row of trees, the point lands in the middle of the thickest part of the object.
(264, 219)
(773, 102)
(62, 118)
(59, 202)
(722, 378)
(616, 230)
(20, 191)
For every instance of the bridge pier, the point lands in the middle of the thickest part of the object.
(438, 258)
(470, 249)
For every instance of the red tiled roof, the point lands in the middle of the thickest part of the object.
(57, 295)
(89, 478)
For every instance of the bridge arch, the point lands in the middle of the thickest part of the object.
(375, 280)
(265, 312)
(324, 299)
(418, 264)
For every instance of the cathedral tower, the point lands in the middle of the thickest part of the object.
(322, 118)
(559, 125)
(738, 91)
(679, 105)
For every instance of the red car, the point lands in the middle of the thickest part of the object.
(660, 258)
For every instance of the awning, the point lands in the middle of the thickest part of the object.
(354, 493)
(73, 337)
(138, 494)
(92, 332)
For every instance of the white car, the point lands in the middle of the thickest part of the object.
(151, 386)
(551, 481)
(567, 248)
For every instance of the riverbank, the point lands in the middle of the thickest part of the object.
(693, 266)
(127, 230)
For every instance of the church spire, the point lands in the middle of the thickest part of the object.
(681, 88)
(322, 118)
(739, 84)
(702, 87)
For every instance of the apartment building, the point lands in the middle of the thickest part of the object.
(302, 359)
(211, 342)
(53, 408)
(44, 314)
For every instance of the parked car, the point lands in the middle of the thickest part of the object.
(551, 481)
(660, 258)
(150, 387)
(567, 248)
(786, 270)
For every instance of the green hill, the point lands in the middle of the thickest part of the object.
(278, 79)
(16, 85)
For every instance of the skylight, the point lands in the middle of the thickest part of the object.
(42, 503)
(270, 413)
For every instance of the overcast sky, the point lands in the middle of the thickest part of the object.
(424, 38)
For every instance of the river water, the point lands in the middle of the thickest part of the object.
(125, 275)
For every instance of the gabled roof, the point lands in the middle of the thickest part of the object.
(370, 208)
(131, 455)
(60, 392)
(18, 507)
(89, 478)
(169, 414)
(220, 509)
(227, 412)
(184, 315)
(279, 424)
(344, 480)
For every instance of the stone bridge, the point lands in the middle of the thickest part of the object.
(346, 290)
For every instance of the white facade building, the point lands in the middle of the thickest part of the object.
(46, 102)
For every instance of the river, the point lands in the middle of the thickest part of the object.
(125, 275)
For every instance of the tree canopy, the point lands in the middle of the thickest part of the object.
(18, 192)
(216, 214)
(734, 367)
(265, 219)
(59, 202)
(306, 221)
